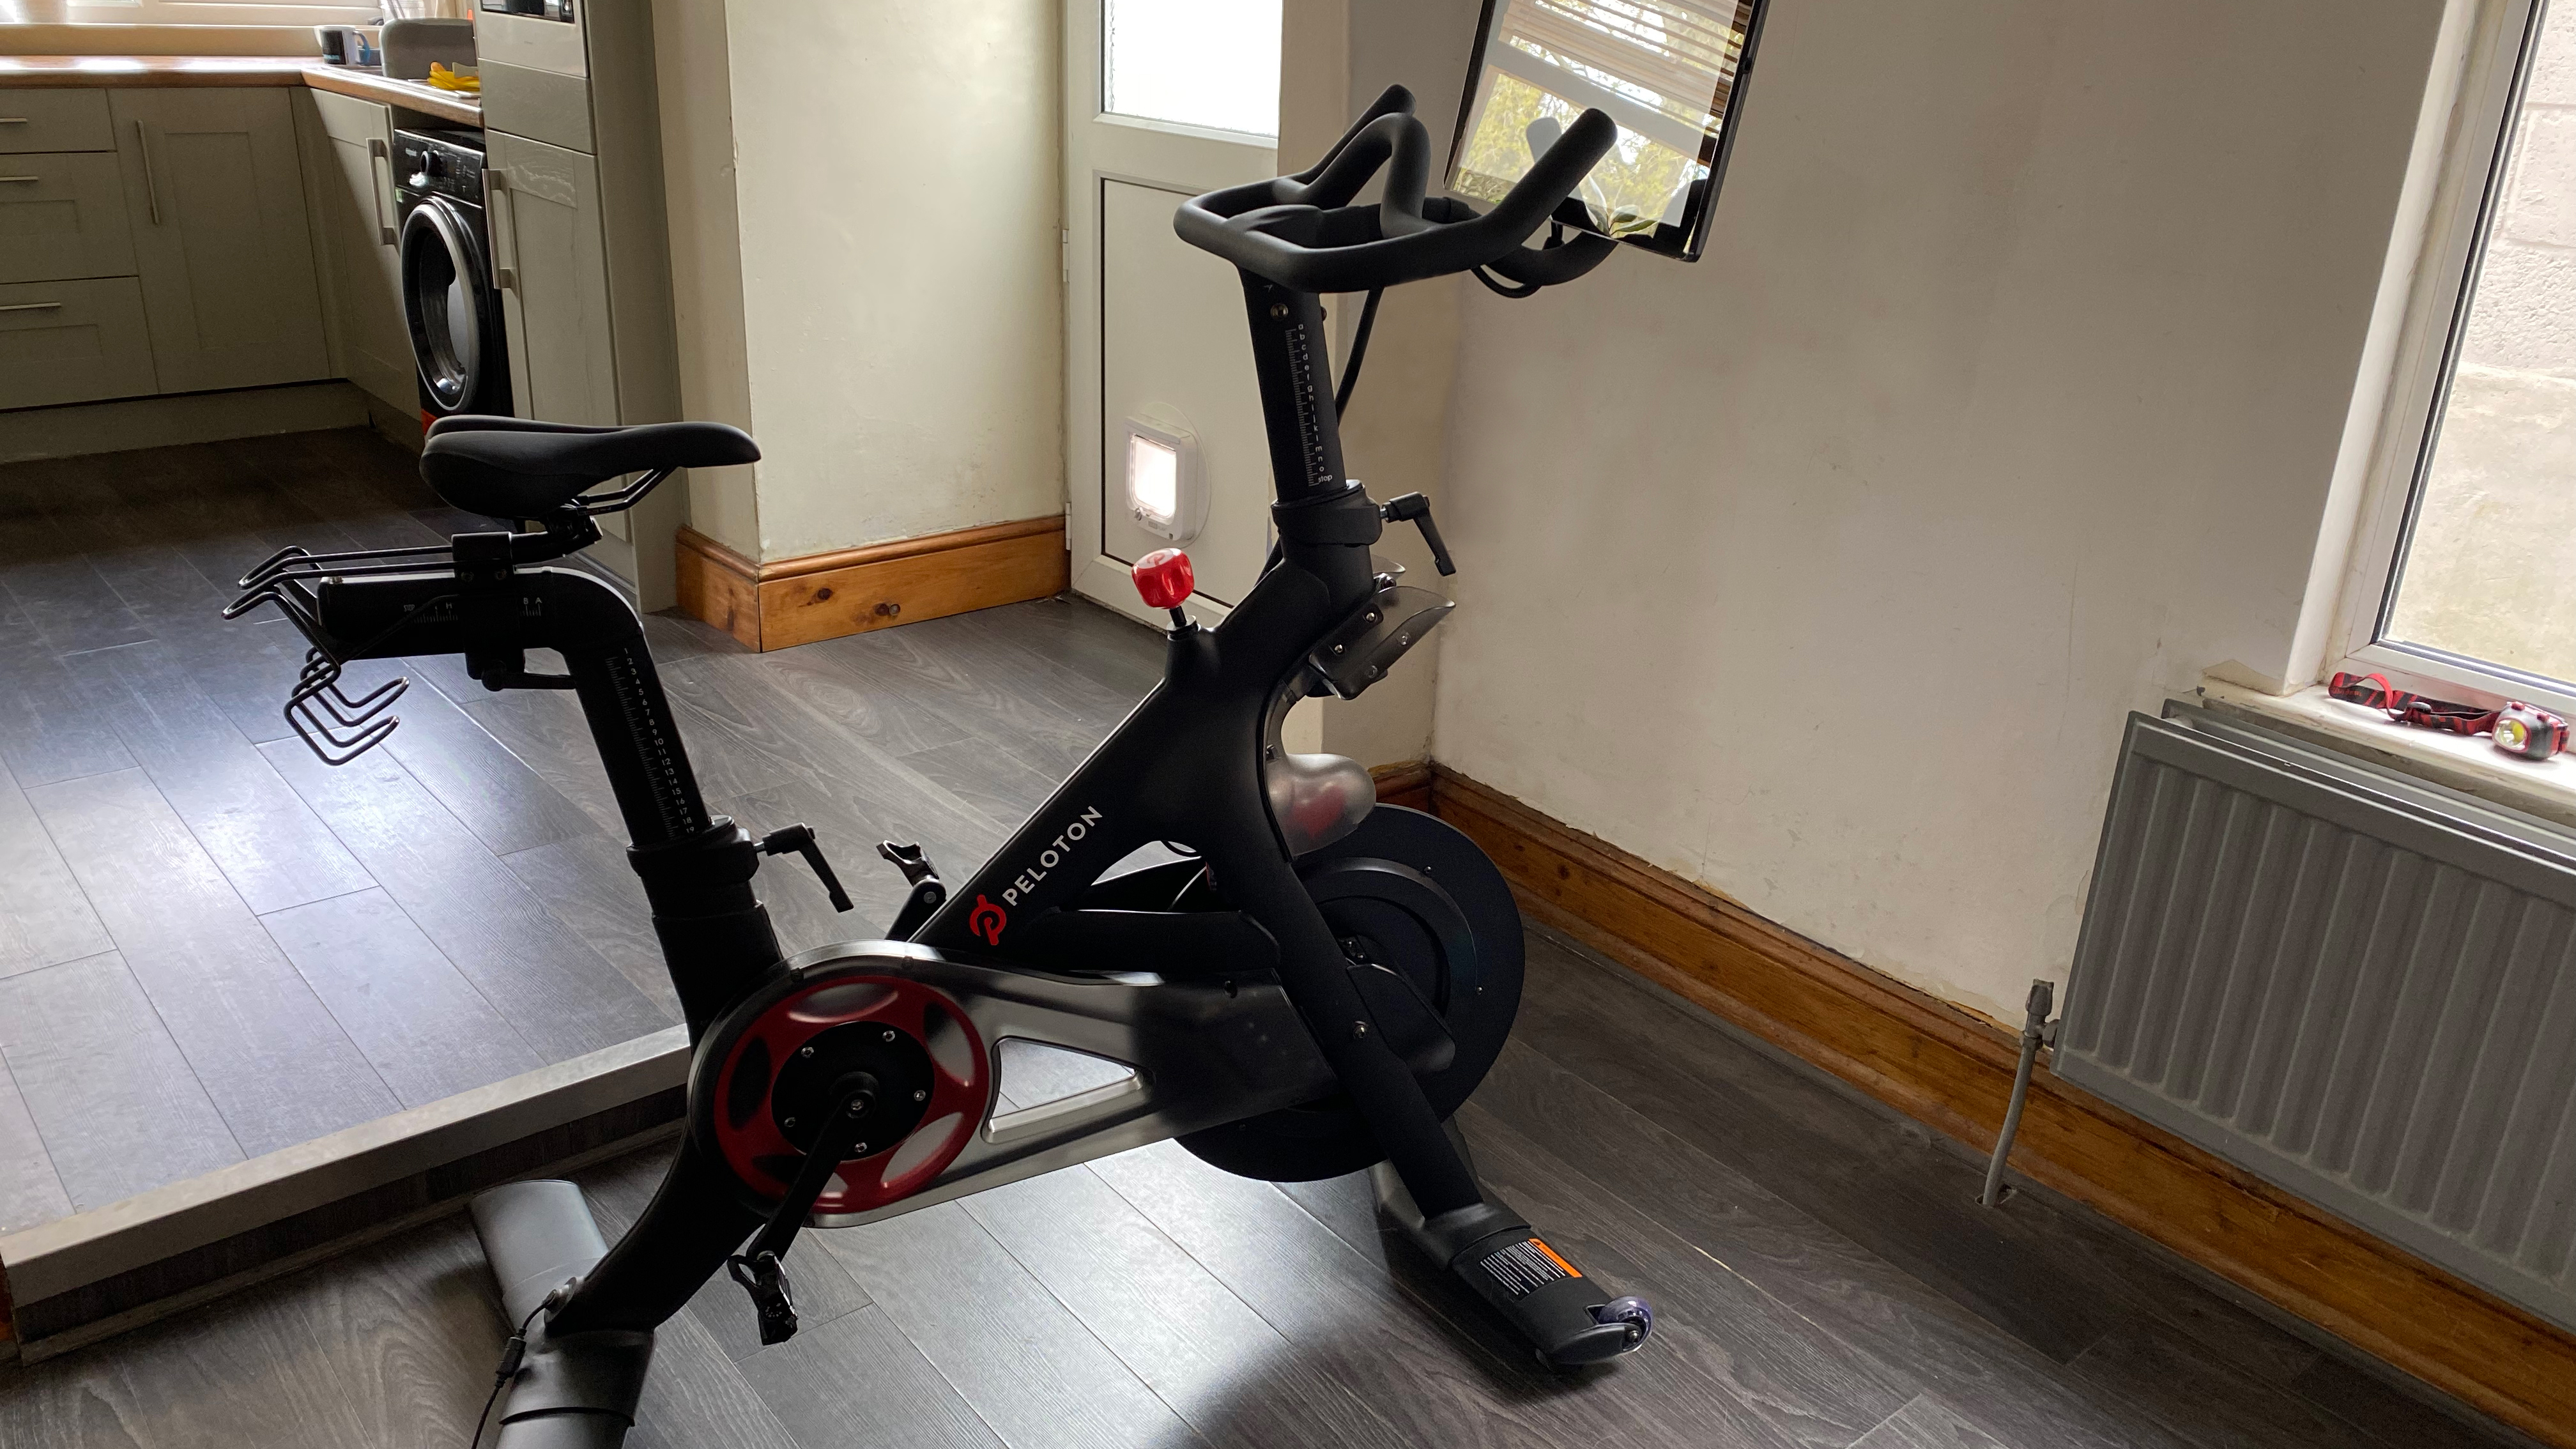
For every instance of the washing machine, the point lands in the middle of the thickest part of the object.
(458, 344)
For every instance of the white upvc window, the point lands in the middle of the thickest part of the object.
(2462, 581)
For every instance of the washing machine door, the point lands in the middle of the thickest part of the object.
(446, 296)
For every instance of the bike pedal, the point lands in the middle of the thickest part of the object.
(773, 1300)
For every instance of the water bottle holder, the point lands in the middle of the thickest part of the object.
(335, 725)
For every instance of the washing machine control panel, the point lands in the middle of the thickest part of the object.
(440, 163)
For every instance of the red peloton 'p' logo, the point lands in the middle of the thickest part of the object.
(987, 921)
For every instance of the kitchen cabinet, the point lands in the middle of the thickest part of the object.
(54, 121)
(550, 256)
(70, 341)
(62, 214)
(214, 198)
(551, 260)
(348, 168)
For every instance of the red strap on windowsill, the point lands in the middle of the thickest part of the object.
(2421, 711)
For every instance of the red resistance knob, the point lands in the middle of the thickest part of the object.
(1163, 577)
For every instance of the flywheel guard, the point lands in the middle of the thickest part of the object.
(1408, 892)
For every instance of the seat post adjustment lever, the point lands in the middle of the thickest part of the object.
(799, 838)
(929, 893)
(1415, 509)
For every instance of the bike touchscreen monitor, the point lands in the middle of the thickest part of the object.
(1670, 72)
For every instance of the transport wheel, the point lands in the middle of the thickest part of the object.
(1408, 892)
(1632, 1311)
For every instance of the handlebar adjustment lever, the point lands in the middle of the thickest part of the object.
(800, 839)
(1415, 509)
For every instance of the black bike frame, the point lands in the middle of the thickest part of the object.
(1186, 765)
(715, 934)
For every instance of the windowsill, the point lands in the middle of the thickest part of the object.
(2466, 763)
(128, 38)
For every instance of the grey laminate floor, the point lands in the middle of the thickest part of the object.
(186, 902)
(213, 946)
(1821, 1274)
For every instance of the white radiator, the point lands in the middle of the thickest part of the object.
(2356, 986)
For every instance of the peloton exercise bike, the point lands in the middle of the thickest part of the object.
(1313, 990)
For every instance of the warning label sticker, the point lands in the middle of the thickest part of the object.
(1527, 1266)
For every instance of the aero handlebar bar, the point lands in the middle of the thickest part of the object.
(1301, 232)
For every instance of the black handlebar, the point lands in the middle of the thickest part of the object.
(1301, 231)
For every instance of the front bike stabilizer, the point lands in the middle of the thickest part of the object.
(1537, 1289)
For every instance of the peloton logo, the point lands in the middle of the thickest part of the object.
(1027, 880)
(986, 920)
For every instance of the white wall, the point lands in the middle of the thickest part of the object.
(694, 80)
(1824, 571)
(894, 174)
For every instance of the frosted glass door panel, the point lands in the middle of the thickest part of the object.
(1211, 63)
(1170, 318)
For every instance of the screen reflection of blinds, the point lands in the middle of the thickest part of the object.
(1678, 56)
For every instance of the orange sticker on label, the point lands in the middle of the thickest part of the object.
(1527, 1266)
(1570, 1270)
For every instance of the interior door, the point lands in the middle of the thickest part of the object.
(1164, 99)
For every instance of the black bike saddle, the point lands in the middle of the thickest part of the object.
(518, 468)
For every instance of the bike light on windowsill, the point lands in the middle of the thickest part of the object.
(1166, 490)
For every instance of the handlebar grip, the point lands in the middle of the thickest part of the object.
(1549, 266)
(1393, 101)
(1553, 177)
(1276, 230)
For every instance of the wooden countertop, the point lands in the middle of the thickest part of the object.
(68, 71)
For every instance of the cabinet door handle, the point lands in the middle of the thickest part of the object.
(151, 193)
(32, 307)
(378, 151)
(13, 120)
(496, 184)
(21, 178)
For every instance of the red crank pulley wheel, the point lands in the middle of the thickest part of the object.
(913, 1053)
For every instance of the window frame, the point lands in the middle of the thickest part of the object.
(2476, 153)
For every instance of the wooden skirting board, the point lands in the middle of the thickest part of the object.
(1953, 1071)
(1405, 784)
(826, 595)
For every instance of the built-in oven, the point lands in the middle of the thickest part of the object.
(533, 9)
